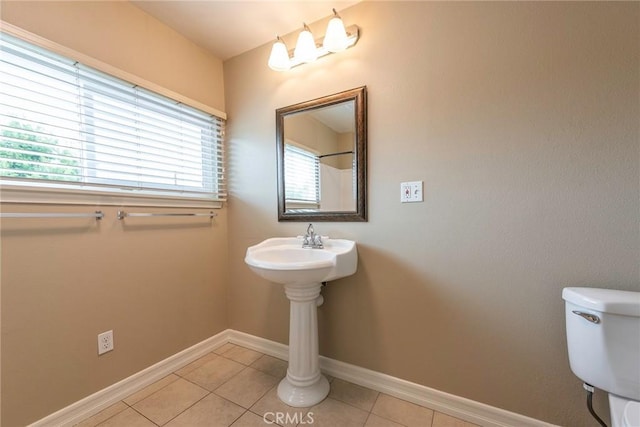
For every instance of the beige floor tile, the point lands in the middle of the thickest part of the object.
(214, 373)
(249, 419)
(358, 396)
(103, 415)
(332, 413)
(242, 355)
(247, 387)
(402, 412)
(271, 365)
(212, 411)
(128, 418)
(150, 389)
(224, 348)
(270, 406)
(195, 364)
(443, 420)
(176, 401)
(376, 421)
(169, 401)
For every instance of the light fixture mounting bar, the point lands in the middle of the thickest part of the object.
(353, 33)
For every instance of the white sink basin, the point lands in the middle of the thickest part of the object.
(283, 260)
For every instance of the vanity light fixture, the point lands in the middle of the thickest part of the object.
(308, 49)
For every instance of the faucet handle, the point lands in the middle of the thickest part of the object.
(317, 241)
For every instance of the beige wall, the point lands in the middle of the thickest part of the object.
(522, 121)
(160, 284)
(125, 37)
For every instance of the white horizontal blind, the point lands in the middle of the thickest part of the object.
(66, 125)
(302, 175)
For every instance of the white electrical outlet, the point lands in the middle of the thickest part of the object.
(411, 192)
(105, 342)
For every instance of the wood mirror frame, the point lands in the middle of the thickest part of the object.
(359, 98)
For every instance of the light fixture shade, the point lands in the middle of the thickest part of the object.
(336, 38)
(305, 50)
(279, 58)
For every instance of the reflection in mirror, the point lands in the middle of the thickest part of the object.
(321, 158)
(318, 159)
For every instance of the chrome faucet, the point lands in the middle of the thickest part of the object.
(311, 239)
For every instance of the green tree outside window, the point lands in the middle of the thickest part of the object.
(26, 153)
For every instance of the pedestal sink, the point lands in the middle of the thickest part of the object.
(302, 271)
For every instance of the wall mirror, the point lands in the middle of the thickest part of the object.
(322, 155)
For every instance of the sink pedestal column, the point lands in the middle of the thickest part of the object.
(304, 385)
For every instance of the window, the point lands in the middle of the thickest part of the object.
(64, 125)
(302, 177)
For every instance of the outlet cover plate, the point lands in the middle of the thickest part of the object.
(105, 342)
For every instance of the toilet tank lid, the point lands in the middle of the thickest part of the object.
(604, 300)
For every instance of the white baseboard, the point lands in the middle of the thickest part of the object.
(469, 410)
(459, 407)
(106, 397)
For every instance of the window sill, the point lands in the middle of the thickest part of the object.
(23, 195)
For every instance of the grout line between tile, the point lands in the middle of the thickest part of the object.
(186, 409)
(209, 392)
(142, 415)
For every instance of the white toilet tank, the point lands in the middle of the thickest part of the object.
(603, 338)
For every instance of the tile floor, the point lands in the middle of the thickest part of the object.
(235, 386)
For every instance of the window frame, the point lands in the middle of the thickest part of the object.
(45, 193)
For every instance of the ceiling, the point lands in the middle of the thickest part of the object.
(229, 28)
